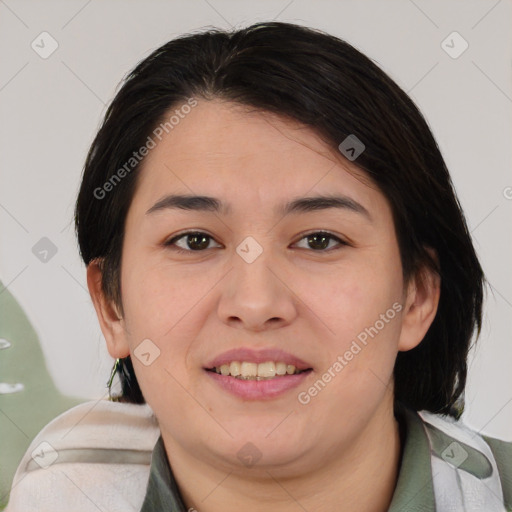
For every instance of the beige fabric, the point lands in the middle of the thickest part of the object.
(47, 482)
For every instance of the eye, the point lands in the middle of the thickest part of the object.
(320, 240)
(197, 241)
(192, 241)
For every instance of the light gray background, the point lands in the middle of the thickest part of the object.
(50, 109)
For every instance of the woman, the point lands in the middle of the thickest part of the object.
(284, 275)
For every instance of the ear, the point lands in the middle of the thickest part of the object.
(111, 321)
(421, 302)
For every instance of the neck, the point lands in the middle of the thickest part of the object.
(361, 477)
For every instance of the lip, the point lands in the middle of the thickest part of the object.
(257, 356)
(258, 389)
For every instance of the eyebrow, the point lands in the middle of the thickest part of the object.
(300, 205)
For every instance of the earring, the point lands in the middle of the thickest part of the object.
(115, 368)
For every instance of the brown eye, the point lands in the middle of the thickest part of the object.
(197, 241)
(190, 242)
(320, 241)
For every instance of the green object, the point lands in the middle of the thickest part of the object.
(28, 397)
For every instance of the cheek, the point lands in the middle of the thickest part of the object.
(359, 367)
(161, 305)
(362, 308)
(163, 312)
(159, 296)
(353, 298)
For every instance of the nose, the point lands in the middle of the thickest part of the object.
(256, 296)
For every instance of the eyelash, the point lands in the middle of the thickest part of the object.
(170, 243)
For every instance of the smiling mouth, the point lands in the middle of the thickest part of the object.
(244, 370)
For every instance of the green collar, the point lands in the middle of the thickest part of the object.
(414, 491)
(162, 492)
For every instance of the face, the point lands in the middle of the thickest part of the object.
(242, 285)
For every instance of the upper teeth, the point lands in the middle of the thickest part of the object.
(245, 369)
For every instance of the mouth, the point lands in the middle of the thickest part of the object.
(246, 370)
(257, 375)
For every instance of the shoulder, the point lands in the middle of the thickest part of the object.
(481, 462)
(96, 455)
(502, 451)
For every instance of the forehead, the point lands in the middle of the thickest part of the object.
(231, 151)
